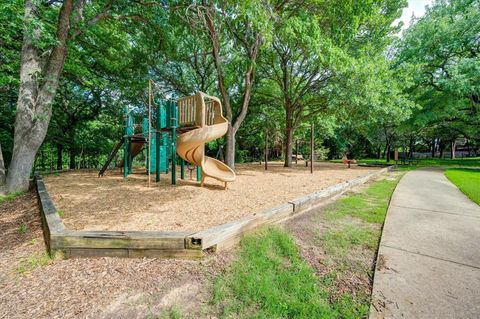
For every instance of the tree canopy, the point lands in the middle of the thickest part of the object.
(68, 69)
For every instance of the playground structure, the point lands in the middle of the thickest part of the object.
(196, 119)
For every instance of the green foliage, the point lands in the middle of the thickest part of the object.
(10, 45)
(334, 64)
(11, 25)
(10, 197)
(369, 205)
(22, 229)
(467, 180)
(30, 263)
(269, 280)
(441, 51)
(459, 162)
(172, 313)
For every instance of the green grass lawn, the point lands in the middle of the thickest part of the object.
(467, 180)
(269, 278)
(459, 162)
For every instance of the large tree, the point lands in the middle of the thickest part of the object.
(48, 27)
(94, 33)
(313, 53)
(442, 50)
(236, 32)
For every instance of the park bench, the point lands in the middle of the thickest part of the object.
(407, 160)
(347, 161)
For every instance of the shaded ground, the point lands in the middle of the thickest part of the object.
(35, 286)
(87, 202)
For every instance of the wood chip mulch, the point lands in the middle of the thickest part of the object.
(91, 288)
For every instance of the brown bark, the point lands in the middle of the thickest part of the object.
(433, 148)
(288, 146)
(312, 147)
(252, 52)
(36, 93)
(265, 154)
(59, 156)
(452, 149)
(72, 158)
(35, 96)
(2, 168)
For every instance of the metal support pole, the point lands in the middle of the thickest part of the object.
(130, 158)
(296, 152)
(125, 146)
(157, 144)
(174, 117)
(199, 173)
(311, 148)
(149, 152)
(182, 168)
(266, 151)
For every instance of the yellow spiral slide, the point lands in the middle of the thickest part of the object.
(209, 124)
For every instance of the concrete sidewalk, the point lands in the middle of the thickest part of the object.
(429, 256)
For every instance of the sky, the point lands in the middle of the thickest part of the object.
(415, 7)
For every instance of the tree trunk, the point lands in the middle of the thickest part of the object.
(312, 147)
(433, 148)
(59, 156)
(410, 149)
(36, 94)
(20, 168)
(265, 153)
(441, 148)
(2, 168)
(379, 152)
(288, 146)
(452, 150)
(296, 151)
(388, 153)
(230, 147)
(252, 51)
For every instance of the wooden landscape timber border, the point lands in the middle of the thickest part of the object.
(171, 244)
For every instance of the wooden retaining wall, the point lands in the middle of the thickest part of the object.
(171, 244)
(107, 243)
